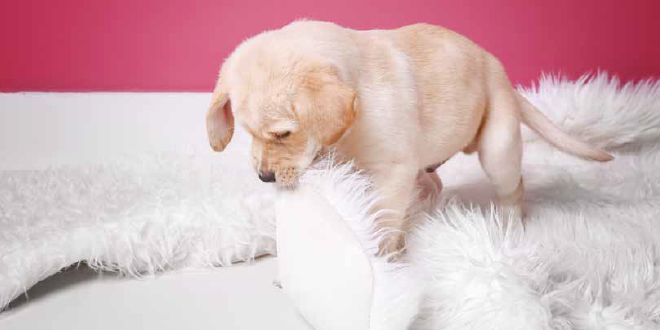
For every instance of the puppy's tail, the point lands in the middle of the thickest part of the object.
(540, 124)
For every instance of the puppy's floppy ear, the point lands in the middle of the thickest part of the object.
(325, 106)
(219, 119)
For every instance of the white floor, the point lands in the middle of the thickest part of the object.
(39, 130)
(241, 297)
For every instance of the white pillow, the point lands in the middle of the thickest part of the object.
(326, 245)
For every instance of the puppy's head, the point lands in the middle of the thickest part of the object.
(291, 110)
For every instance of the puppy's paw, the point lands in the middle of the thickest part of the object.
(513, 217)
(391, 246)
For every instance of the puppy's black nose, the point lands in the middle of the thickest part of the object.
(267, 176)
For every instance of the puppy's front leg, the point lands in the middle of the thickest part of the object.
(395, 185)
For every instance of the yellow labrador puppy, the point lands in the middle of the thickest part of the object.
(399, 102)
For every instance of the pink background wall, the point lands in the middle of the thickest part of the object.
(82, 45)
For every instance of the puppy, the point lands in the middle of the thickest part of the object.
(398, 102)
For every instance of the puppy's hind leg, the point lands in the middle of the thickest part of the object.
(435, 178)
(500, 151)
(429, 183)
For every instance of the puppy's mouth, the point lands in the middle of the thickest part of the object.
(287, 178)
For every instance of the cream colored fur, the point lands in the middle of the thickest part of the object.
(396, 101)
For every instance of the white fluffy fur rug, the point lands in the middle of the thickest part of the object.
(589, 259)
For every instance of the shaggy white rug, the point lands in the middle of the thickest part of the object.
(589, 259)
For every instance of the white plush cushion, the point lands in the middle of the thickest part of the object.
(322, 265)
(327, 243)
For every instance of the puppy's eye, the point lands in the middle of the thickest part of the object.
(282, 135)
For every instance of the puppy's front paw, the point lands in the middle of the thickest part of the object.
(391, 246)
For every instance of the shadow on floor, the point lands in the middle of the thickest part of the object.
(73, 275)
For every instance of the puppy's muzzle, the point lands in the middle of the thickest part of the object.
(267, 176)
